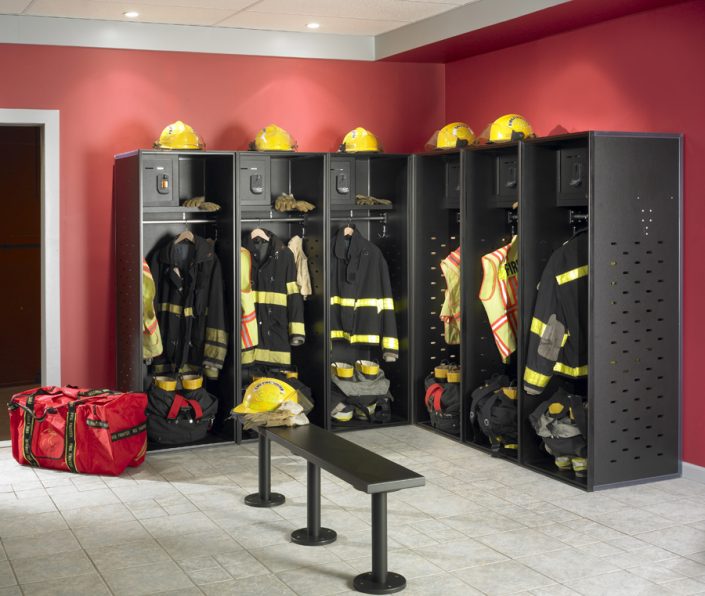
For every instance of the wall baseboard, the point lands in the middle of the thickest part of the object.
(693, 472)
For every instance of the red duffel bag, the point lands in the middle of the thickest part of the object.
(78, 430)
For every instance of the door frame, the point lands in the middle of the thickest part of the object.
(48, 123)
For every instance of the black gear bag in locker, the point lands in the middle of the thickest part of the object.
(493, 412)
(179, 417)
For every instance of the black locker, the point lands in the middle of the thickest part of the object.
(629, 197)
(141, 227)
(387, 226)
(303, 175)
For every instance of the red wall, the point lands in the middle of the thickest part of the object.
(113, 101)
(638, 73)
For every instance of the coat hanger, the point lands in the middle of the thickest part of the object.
(349, 229)
(185, 235)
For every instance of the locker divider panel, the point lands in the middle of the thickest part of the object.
(635, 282)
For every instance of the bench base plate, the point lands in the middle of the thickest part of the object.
(325, 536)
(255, 500)
(365, 584)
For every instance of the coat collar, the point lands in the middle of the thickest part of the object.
(275, 245)
(203, 251)
(342, 250)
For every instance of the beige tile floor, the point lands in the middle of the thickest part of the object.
(178, 525)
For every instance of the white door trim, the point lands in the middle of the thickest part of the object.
(48, 121)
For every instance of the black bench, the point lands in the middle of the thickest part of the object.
(364, 469)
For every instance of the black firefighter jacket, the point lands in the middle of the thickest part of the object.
(362, 307)
(190, 308)
(558, 337)
(278, 302)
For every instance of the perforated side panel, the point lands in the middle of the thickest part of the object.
(634, 365)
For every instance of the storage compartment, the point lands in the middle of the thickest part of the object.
(386, 227)
(506, 161)
(573, 174)
(160, 180)
(254, 180)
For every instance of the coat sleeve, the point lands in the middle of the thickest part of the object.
(390, 339)
(294, 304)
(548, 335)
(216, 345)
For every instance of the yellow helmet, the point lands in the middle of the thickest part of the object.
(264, 395)
(455, 134)
(510, 127)
(273, 138)
(358, 140)
(179, 135)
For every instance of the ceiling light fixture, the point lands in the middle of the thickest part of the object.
(131, 14)
(313, 25)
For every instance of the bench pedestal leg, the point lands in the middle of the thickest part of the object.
(313, 534)
(265, 497)
(379, 580)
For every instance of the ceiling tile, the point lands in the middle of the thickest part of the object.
(292, 22)
(13, 6)
(94, 9)
(229, 5)
(385, 10)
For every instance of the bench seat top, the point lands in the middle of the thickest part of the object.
(360, 467)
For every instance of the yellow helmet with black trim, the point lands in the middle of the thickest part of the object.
(360, 140)
(264, 395)
(273, 138)
(179, 135)
(510, 127)
(452, 136)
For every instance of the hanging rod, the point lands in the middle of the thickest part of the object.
(178, 221)
(353, 219)
(274, 220)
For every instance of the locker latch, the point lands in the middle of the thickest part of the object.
(341, 184)
(256, 184)
(163, 184)
(576, 175)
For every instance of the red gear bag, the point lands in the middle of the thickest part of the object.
(78, 430)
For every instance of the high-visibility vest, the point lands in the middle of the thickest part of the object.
(248, 318)
(450, 311)
(151, 338)
(499, 294)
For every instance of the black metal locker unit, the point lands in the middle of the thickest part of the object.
(490, 194)
(626, 188)
(261, 178)
(438, 211)
(149, 188)
(387, 226)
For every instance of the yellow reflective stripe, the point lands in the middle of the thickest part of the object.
(572, 275)
(270, 298)
(565, 339)
(538, 327)
(342, 301)
(535, 378)
(292, 287)
(210, 372)
(217, 336)
(571, 371)
(248, 356)
(262, 355)
(391, 343)
(379, 303)
(215, 352)
(172, 308)
(355, 339)
(297, 329)
(188, 311)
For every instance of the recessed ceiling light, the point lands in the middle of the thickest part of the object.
(313, 25)
(131, 14)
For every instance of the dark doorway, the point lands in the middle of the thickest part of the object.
(20, 263)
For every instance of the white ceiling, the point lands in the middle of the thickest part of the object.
(347, 17)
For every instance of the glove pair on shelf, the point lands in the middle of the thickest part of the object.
(286, 202)
(201, 203)
(369, 200)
